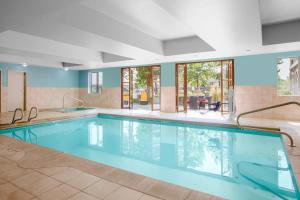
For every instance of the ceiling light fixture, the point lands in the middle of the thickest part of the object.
(66, 68)
(24, 65)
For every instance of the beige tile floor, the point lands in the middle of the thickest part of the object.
(31, 172)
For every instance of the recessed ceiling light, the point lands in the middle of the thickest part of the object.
(24, 65)
(66, 68)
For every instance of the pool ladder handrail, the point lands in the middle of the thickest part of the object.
(34, 116)
(14, 119)
(76, 99)
(256, 182)
(264, 129)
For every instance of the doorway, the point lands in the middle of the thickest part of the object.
(205, 86)
(140, 88)
(16, 90)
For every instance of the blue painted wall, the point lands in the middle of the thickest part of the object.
(258, 69)
(249, 70)
(167, 74)
(42, 76)
(111, 77)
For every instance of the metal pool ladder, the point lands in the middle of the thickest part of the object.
(265, 129)
(14, 120)
(34, 116)
(78, 100)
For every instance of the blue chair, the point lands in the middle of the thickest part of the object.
(214, 106)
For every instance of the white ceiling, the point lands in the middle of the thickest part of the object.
(275, 11)
(43, 32)
(144, 15)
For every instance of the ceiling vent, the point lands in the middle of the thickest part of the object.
(67, 64)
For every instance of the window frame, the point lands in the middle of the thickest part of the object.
(98, 84)
(279, 93)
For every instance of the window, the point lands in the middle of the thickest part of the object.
(95, 82)
(96, 135)
(288, 76)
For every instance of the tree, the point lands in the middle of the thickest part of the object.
(199, 74)
(142, 77)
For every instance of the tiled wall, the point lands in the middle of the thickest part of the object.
(253, 97)
(109, 98)
(4, 95)
(45, 98)
(168, 99)
(46, 86)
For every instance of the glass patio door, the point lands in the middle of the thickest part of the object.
(126, 88)
(227, 85)
(218, 88)
(140, 88)
(181, 87)
(155, 89)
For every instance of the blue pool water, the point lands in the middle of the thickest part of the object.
(227, 162)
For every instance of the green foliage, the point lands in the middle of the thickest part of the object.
(216, 94)
(142, 77)
(283, 86)
(199, 74)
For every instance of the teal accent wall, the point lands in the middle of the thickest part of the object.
(167, 74)
(111, 77)
(83, 78)
(258, 69)
(42, 76)
(248, 70)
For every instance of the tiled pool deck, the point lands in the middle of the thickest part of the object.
(29, 171)
(32, 172)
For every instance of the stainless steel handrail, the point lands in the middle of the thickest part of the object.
(78, 100)
(268, 108)
(256, 182)
(14, 120)
(35, 116)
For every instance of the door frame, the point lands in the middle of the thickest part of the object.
(122, 84)
(184, 86)
(25, 92)
(150, 68)
(152, 90)
(24, 106)
(230, 80)
(0, 90)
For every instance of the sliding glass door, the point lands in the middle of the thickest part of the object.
(202, 84)
(227, 85)
(140, 88)
(181, 89)
(126, 88)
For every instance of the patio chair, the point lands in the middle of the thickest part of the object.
(214, 106)
(193, 102)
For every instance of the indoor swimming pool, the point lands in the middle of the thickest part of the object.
(226, 162)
